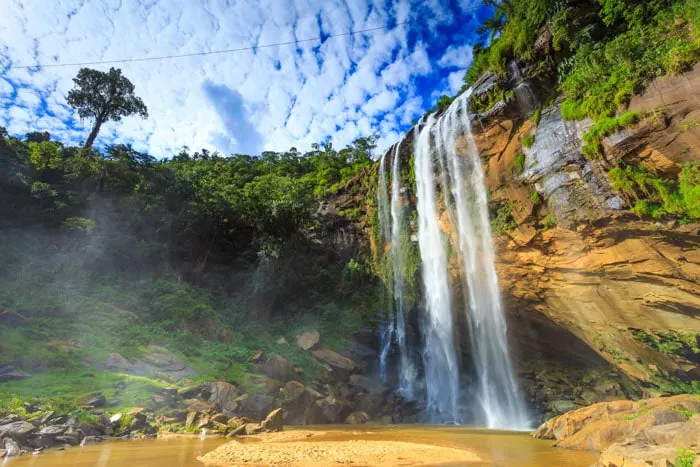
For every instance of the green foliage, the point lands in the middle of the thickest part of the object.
(536, 198)
(44, 155)
(689, 189)
(571, 110)
(601, 52)
(529, 140)
(603, 127)
(503, 221)
(685, 458)
(518, 164)
(443, 103)
(483, 102)
(670, 342)
(550, 221)
(655, 197)
(104, 96)
(82, 224)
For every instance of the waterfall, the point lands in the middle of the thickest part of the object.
(454, 184)
(440, 354)
(399, 234)
(499, 397)
(386, 335)
(395, 231)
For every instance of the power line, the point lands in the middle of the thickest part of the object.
(195, 54)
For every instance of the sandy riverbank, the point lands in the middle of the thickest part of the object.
(309, 448)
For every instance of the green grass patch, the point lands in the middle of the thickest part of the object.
(603, 127)
(518, 164)
(64, 391)
(685, 458)
(529, 140)
(652, 196)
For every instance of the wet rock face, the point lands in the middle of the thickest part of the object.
(557, 168)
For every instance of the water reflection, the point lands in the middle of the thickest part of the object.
(499, 448)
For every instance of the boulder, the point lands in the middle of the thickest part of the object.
(371, 385)
(67, 439)
(274, 421)
(10, 373)
(19, 431)
(116, 419)
(98, 400)
(55, 430)
(638, 455)
(189, 421)
(357, 418)
(333, 408)
(238, 431)
(197, 405)
(342, 367)
(223, 395)
(251, 428)
(308, 340)
(255, 406)
(369, 403)
(12, 449)
(272, 386)
(9, 419)
(689, 434)
(219, 418)
(563, 406)
(282, 341)
(138, 419)
(276, 367)
(89, 430)
(292, 392)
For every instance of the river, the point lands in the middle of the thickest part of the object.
(497, 448)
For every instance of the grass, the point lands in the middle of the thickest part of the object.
(77, 318)
(550, 221)
(652, 196)
(604, 127)
(635, 415)
(685, 458)
(670, 342)
(529, 140)
(518, 164)
(536, 198)
(65, 390)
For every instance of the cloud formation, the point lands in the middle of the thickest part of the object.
(271, 98)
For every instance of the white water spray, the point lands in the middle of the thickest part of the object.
(439, 355)
(407, 371)
(498, 393)
(464, 200)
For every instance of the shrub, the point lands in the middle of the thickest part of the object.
(529, 140)
(518, 164)
(685, 458)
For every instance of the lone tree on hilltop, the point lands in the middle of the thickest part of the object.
(104, 96)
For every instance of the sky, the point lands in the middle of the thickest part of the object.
(335, 89)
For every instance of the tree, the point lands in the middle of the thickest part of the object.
(104, 96)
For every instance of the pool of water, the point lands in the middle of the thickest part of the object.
(499, 448)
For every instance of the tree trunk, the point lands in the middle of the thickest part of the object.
(93, 133)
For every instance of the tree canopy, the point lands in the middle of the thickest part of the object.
(103, 97)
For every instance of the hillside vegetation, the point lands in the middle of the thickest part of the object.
(214, 257)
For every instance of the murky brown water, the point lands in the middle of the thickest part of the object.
(496, 448)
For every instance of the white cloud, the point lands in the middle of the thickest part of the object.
(457, 57)
(270, 98)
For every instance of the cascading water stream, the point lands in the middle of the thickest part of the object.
(440, 354)
(407, 371)
(459, 179)
(499, 397)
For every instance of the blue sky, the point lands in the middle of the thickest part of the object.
(274, 98)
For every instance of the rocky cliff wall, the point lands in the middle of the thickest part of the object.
(623, 287)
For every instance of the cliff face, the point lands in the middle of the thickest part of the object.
(601, 282)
